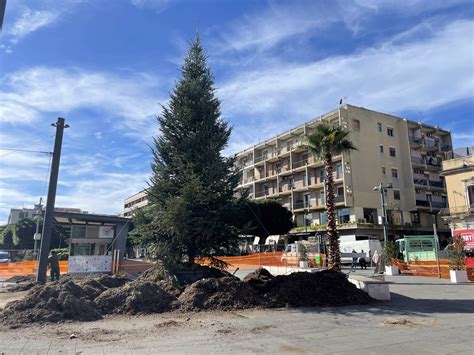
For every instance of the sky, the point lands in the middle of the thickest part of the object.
(108, 66)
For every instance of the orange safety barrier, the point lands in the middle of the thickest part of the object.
(430, 268)
(258, 259)
(25, 268)
(129, 267)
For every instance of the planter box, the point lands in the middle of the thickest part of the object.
(391, 270)
(303, 264)
(458, 276)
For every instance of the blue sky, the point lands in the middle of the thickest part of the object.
(106, 66)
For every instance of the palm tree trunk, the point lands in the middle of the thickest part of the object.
(333, 239)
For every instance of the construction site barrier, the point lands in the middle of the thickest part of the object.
(25, 268)
(430, 268)
(264, 259)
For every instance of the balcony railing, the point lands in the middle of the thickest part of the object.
(423, 182)
(416, 160)
(260, 193)
(437, 204)
(338, 198)
(436, 183)
(299, 164)
(301, 204)
(414, 140)
(423, 203)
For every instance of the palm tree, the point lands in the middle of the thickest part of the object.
(325, 142)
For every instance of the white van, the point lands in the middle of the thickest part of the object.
(369, 246)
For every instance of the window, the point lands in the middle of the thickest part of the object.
(390, 132)
(356, 125)
(322, 175)
(396, 194)
(381, 148)
(338, 171)
(392, 152)
(395, 173)
(383, 170)
(340, 191)
(379, 126)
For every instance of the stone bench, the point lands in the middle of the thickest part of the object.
(377, 288)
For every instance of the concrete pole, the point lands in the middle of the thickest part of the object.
(48, 216)
(384, 212)
(39, 209)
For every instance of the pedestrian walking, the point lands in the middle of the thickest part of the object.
(53, 261)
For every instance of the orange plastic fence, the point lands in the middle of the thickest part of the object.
(430, 268)
(129, 267)
(24, 268)
(258, 259)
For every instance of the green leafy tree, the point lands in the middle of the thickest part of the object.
(192, 183)
(325, 142)
(390, 252)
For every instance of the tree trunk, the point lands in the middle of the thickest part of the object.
(334, 262)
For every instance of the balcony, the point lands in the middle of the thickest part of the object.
(438, 204)
(249, 180)
(417, 161)
(299, 164)
(260, 193)
(338, 198)
(421, 182)
(422, 203)
(300, 205)
(414, 141)
(439, 184)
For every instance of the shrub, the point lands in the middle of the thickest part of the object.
(457, 253)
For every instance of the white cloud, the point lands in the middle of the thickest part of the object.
(30, 21)
(129, 97)
(415, 75)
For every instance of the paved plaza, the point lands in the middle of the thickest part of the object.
(425, 316)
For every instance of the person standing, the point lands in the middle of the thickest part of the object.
(362, 262)
(53, 262)
(354, 259)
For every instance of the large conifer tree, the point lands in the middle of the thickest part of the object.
(192, 183)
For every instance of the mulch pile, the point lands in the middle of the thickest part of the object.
(157, 290)
(53, 303)
(220, 293)
(135, 297)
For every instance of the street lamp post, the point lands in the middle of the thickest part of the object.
(383, 189)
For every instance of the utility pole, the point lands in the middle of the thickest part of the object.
(37, 236)
(383, 190)
(48, 216)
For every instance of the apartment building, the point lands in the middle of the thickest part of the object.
(134, 202)
(459, 174)
(390, 149)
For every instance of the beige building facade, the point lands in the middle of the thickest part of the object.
(392, 150)
(459, 174)
(134, 202)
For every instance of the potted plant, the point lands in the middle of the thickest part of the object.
(303, 255)
(390, 256)
(457, 255)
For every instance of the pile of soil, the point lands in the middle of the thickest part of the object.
(54, 302)
(218, 293)
(258, 279)
(18, 279)
(305, 289)
(135, 297)
(22, 286)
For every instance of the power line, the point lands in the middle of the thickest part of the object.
(14, 150)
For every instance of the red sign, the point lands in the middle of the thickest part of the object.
(468, 236)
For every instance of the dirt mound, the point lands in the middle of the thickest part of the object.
(22, 286)
(218, 293)
(304, 289)
(53, 302)
(112, 281)
(18, 279)
(258, 278)
(92, 288)
(135, 297)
